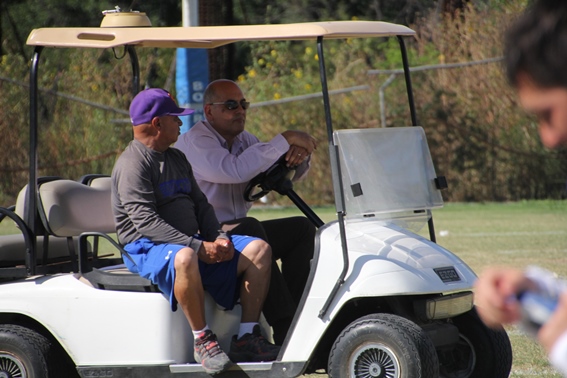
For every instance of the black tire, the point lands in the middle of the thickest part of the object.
(481, 352)
(23, 352)
(383, 346)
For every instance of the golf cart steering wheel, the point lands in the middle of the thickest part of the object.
(278, 177)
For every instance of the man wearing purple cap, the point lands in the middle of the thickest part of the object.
(173, 236)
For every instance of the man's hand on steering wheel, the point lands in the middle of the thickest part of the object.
(278, 177)
(296, 155)
(300, 139)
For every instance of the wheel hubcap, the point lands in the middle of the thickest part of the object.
(374, 361)
(11, 367)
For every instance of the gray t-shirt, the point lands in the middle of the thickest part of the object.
(155, 196)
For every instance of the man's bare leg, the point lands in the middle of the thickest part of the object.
(188, 288)
(254, 265)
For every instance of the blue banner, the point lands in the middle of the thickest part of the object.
(191, 79)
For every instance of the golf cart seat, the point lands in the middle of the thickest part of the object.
(13, 247)
(73, 209)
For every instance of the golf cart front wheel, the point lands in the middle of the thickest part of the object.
(23, 353)
(383, 346)
(481, 351)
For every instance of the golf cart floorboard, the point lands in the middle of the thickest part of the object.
(194, 370)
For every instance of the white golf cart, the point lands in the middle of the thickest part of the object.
(381, 301)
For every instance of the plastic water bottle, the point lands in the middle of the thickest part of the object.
(536, 310)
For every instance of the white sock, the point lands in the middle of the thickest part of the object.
(245, 328)
(196, 334)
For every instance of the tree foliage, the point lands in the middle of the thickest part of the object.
(479, 137)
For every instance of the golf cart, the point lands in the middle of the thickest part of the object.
(381, 300)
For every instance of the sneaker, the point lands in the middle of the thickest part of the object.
(209, 353)
(252, 347)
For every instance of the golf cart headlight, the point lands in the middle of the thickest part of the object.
(449, 306)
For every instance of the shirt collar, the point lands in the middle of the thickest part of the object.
(237, 140)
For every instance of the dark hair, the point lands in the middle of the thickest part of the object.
(537, 45)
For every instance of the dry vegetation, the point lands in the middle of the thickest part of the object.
(480, 139)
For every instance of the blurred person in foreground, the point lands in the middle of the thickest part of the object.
(536, 61)
(173, 236)
(225, 158)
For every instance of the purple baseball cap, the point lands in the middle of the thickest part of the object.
(154, 102)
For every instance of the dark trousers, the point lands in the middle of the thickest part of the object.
(292, 241)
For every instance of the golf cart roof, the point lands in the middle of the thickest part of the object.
(209, 36)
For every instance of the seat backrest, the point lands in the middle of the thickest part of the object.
(71, 208)
(101, 182)
(21, 207)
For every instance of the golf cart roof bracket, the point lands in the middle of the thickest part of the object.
(135, 69)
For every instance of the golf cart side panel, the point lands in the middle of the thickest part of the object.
(102, 327)
(386, 261)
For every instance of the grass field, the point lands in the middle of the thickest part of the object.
(513, 234)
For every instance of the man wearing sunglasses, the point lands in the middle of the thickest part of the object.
(225, 158)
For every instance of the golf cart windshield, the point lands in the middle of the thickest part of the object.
(387, 173)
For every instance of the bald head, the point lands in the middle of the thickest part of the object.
(216, 89)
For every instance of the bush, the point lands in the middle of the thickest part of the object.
(480, 139)
(75, 136)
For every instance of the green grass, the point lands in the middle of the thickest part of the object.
(512, 234)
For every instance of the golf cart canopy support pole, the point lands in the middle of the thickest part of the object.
(336, 174)
(413, 114)
(30, 213)
(407, 77)
(31, 209)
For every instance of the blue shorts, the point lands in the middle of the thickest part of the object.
(156, 263)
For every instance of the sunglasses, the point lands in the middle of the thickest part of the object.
(233, 104)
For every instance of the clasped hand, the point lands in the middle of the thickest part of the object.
(215, 252)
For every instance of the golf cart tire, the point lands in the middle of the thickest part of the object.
(383, 345)
(491, 351)
(23, 352)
